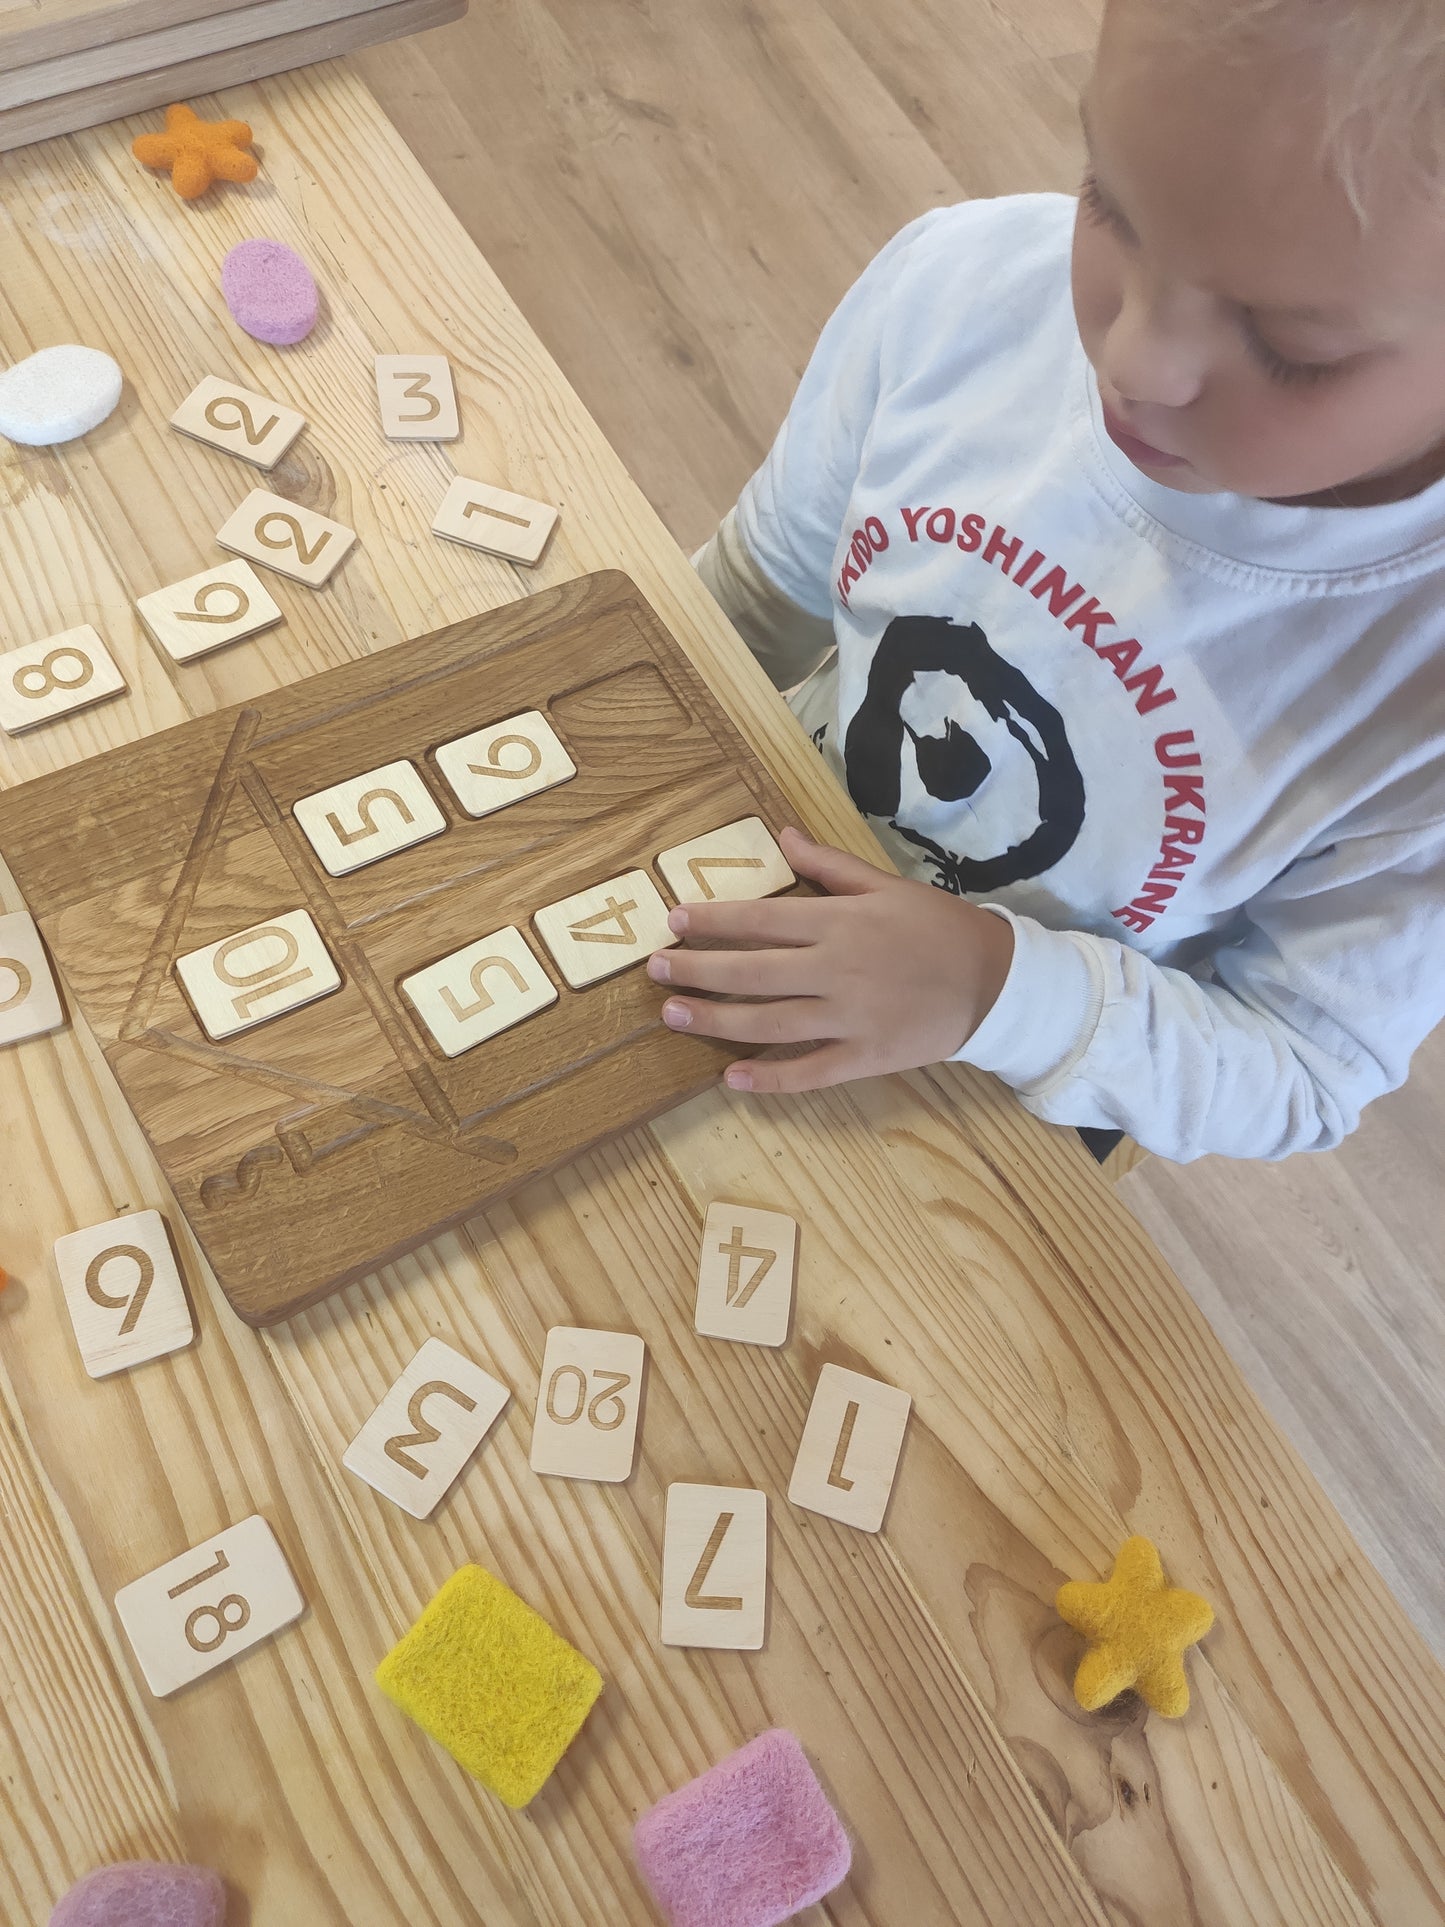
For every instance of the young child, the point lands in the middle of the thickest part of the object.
(1137, 587)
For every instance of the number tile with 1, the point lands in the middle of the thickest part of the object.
(124, 1292)
(42, 680)
(483, 517)
(284, 536)
(209, 1605)
(208, 610)
(416, 1442)
(29, 998)
(238, 421)
(588, 1404)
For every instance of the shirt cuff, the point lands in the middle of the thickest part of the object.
(1047, 1012)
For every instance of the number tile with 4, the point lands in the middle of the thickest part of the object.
(745, 1274)
(416, 1442)
(209, 1606)
(417, 399)
(208, 610)
(284, 536)
(238, 421)
(242, 981)
(715, 1567)
(588, 1403)
(29, 999)
(849, 1449)
(43, 680)
(741, 860)
(474, 993)
(504, 762)
(600, 931)
(483, 517)
(368, 817)
(124, 1292)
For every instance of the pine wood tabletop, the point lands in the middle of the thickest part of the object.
(1065, 1390)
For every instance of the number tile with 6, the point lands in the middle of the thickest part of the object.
(587, 1406)
(416, 1442)
(208, 610)
(504, 762)
(124, 1292)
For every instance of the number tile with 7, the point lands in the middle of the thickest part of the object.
(587, 1405)
(209, 1606)
(745, 1274)
(284, 536)
(208, 610)
(715, 1567)
(600, 931)
(849, 1450)
(238, 421)
(415, 1443)
(417, 399)
(42, 680)
(124, 1292)
(728, 865)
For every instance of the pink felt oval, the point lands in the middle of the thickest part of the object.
(270, 291)
(144, 1893)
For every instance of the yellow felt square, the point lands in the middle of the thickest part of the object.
(489, 1679)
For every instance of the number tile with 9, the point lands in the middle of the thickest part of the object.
(284, 536)
(225, 996)
(124, 1292)
(474, 993)
(504, 762)
(29, 999)
(416, 1442)
(238, 421)
(368, 817)
(209, 1605)
(208, 610)
(42, 680)
(606, 928)
(587, 1405)
(417, 398)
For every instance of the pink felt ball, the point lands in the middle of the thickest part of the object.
(270, 291)
(144, 1893)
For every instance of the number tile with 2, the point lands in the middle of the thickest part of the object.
(745, 1274)
(471, 995)
(209, 1605)
(42, 680)
(124, 1292)
(238, 421)
(368, 817)
(29, 998)
(284, 536)
(715, 1567)
(588, 1404)
(208, 610)
(416, 1442)
(483, 517)
(417, 398)
(607, 928)
(226, 981)
(504, 762)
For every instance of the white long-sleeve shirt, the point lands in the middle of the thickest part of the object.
(1191, 745)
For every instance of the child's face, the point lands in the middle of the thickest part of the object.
(1239, 316)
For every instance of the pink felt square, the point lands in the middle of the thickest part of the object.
(746, 1844)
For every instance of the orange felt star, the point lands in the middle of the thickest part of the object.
(1138, 1629)
(198, 151)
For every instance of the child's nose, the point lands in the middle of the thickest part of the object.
(1156, 350)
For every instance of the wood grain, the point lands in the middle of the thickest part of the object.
(1065, 1389)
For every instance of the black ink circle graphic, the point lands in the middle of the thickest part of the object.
(952, 764)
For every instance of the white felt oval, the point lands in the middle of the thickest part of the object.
(57, 394)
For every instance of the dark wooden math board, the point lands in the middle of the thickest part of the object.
(324, 1142)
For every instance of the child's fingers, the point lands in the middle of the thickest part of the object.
(789, 1020)
(816, 1069)
(761, 920)
(839, 873)
(738, 973)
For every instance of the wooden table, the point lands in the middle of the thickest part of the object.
(1066, 1390)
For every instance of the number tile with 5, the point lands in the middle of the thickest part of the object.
(208, 610)
(238, 421)
(417, 398)
(588, 1403)
(368, 817)
(474, 993)
(284, 536)
(42, 680)
(208, 1606)
(416, 1442)
(124, 1292)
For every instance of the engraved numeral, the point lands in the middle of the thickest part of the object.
(610, 1394)
(269, 978)
(294, 539)
(23, 981)
(418, 391)
(495, 767)
(426, 1433)
(247, 423)
(134, 1302)
(49, 679)
(697, 864)
(203, 613)
(368, 825)
(498, 515)
(484, 998)
(738, 1291)
(840, 1456)
(220, 1612)
(695, 1596)
(218, 1565)
(614, 912)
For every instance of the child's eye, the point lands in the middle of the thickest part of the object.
(1101, 212)
(1279, 368)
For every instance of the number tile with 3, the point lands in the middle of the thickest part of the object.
(600, 931)
(849, 1449)
(227, 981)
(284, 536)
(740, 860)
(483, 517)
(206, 611)
(745, 1274)
(416, 1442)
(124, 1292)
(417, 399)
(474, 993)
(208, 1606)
(587, 1406)
(29, 999)
(43, 680)
(715, 1567)
(504, 762)
(238, 421)
(368, 817)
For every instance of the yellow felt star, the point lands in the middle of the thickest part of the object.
(1137, 1629)
(198, 151)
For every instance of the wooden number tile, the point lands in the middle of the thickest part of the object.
(124, 1292)
(209, 1606)
(284, 536)
(262, 972)
(740, 860)
(586, 1424)
(418, 401)
(474, 993)
(205, 611)
(850, 1446)
(416, 1442)
(602, 930)
(42, 680)
(745, 1274)
(715, 1567)
(239, 421)
(505, 762)
(368, 817)
(29, 1000)
(493, 519)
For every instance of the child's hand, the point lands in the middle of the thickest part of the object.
(884, 974)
